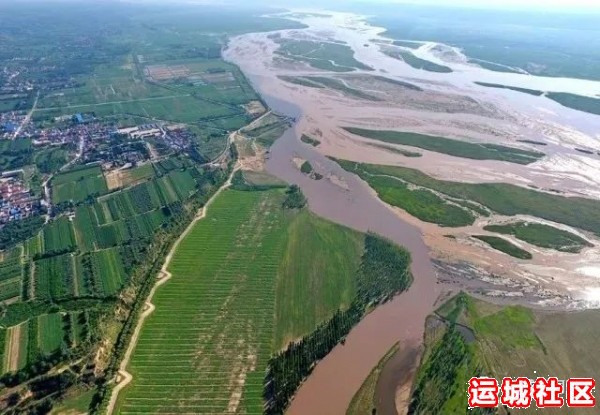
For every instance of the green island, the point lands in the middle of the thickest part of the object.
(576, 102)
(328, 56)
(330, 83)
(309, 140)
(468, 337)
(544, 236)
(415, 62)
(503, 198)
(452, 147)
(533, 92)
(503, 245)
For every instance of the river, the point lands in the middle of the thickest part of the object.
(331, 386)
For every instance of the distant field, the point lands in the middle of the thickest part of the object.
(417, 63)
(500, 341)
(503, 245)
(503, 198)
(541, 235)
(328, 56)
(513, 88)
(577, 102)
(452, 147)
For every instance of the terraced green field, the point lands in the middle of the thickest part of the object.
(78, 184)
(206, 346)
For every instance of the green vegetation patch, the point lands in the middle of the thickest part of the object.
(298, 80)
(576, 102)
(214, 319)
(15, 154)
(321, 55)
(316, 277)
(505, 199)
(309, 140)
(407, 44)
(544, 236)
(363, 402)
(503, 245)
(417, 63)
(306, 167)
(395, 82)
(78, 185)
(339, 85)
(452, 147)
(533, 92)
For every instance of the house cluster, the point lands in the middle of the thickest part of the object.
(16, 201)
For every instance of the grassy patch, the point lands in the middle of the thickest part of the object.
(316, 276)
(321, 55)
(417, 63)
(395, 150)
(503, 198)
(298, 80)
(309, 140)
(450, 146)
(395, 82)
(407, 44)
(577, 102)
(363, 402)
(78, 185)
(420, 203)
(541, 235)
(341, 86)
(509, 341)
(502, 245)
(533, 92)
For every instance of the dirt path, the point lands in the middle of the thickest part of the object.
(164, 275)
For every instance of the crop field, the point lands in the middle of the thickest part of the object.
(541, 235)
(11, 274)
(321, 55)
(50, 332)
(15, 347)
(58, 236)
(79, 184)
(452, 147)
(503, 198)
(54, 277)
(305, 298)
(205, 347)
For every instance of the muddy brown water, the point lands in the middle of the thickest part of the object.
(336, 378)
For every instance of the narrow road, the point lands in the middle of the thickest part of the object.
(27, 117)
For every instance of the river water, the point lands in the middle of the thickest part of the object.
(331, 386)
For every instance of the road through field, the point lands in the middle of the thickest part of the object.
(164, 276)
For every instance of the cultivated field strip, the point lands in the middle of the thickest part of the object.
(205, 347)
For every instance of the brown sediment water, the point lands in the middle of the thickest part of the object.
(336, 378)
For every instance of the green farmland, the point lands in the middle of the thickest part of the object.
(417, 63)
(247, 280)
(576, 102)
(452, 147)
(78, 184)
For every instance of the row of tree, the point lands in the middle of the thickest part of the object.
(383, 273)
